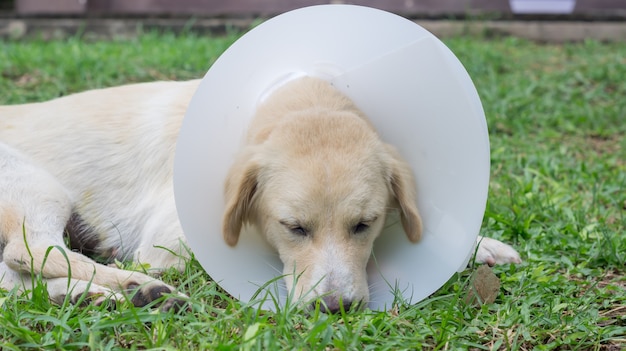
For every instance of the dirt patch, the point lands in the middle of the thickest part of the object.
(603, 145)
(22, 80)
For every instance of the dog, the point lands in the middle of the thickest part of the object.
(94, 170)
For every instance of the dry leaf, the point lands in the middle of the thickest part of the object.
(484, 287)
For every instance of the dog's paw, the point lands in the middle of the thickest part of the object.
(492, 252)
(82, 293)
(142, 295)
(108, 299)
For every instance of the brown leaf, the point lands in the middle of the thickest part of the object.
(484, 287)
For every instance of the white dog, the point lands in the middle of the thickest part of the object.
(95, 168)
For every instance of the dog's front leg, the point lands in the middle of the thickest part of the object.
(79, 291)
(34, 210)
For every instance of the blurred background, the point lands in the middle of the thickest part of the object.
(542, 20)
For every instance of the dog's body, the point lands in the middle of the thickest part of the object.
(99, 165)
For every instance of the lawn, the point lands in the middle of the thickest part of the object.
(557, 120)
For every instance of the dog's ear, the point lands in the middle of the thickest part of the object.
(404, 192)
(241, 186)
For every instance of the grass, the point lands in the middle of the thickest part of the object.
(557, 118)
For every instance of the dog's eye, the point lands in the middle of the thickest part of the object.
(298, 231)
(295, 229)
(360, 228)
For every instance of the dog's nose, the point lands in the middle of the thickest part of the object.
(332, 304)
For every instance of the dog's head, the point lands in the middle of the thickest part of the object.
(319, 188)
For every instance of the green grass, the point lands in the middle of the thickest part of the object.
(557, 118)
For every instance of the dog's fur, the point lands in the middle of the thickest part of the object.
(98, 165)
